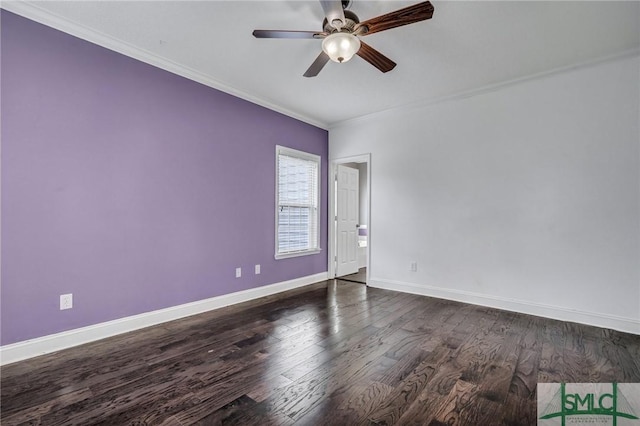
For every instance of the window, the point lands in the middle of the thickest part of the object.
(297, 199)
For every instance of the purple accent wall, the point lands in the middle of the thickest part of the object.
(130, 187)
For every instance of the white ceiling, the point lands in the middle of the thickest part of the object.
(467, 46)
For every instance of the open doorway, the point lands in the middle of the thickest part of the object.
(349, 229)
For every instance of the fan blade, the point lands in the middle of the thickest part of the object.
(408, 15)
(375, 58)
(317, 65)
(334, 12)
(288, 34)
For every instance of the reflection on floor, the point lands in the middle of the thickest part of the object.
(358, 277)
(332, 353)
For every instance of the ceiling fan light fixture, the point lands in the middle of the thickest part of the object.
(341, 46)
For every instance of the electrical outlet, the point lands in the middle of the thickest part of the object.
(66, 301)
(414, 266)
(238, 272)
(257, 269)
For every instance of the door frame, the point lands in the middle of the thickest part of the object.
(331, 240)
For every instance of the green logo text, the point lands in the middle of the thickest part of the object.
(612, 404)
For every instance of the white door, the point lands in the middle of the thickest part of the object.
(347, 213)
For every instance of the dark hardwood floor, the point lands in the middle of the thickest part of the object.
(358, 277)
(334, 353)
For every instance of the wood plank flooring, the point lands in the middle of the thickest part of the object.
(358, 277)
(334, 353)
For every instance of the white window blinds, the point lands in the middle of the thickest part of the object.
(297, 193)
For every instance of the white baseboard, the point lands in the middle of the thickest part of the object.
(627, 325)
(42, 345)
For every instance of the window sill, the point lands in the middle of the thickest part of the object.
(297, 254)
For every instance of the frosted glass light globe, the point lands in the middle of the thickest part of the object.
(340, 47)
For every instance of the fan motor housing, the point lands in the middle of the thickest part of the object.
(351, 19)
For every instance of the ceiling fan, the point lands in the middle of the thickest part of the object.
(342, 31)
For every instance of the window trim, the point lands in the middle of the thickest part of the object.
(283, 150)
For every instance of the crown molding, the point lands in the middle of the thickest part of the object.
(489, 88)
(35, 13)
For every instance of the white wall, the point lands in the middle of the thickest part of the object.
(525, 198)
